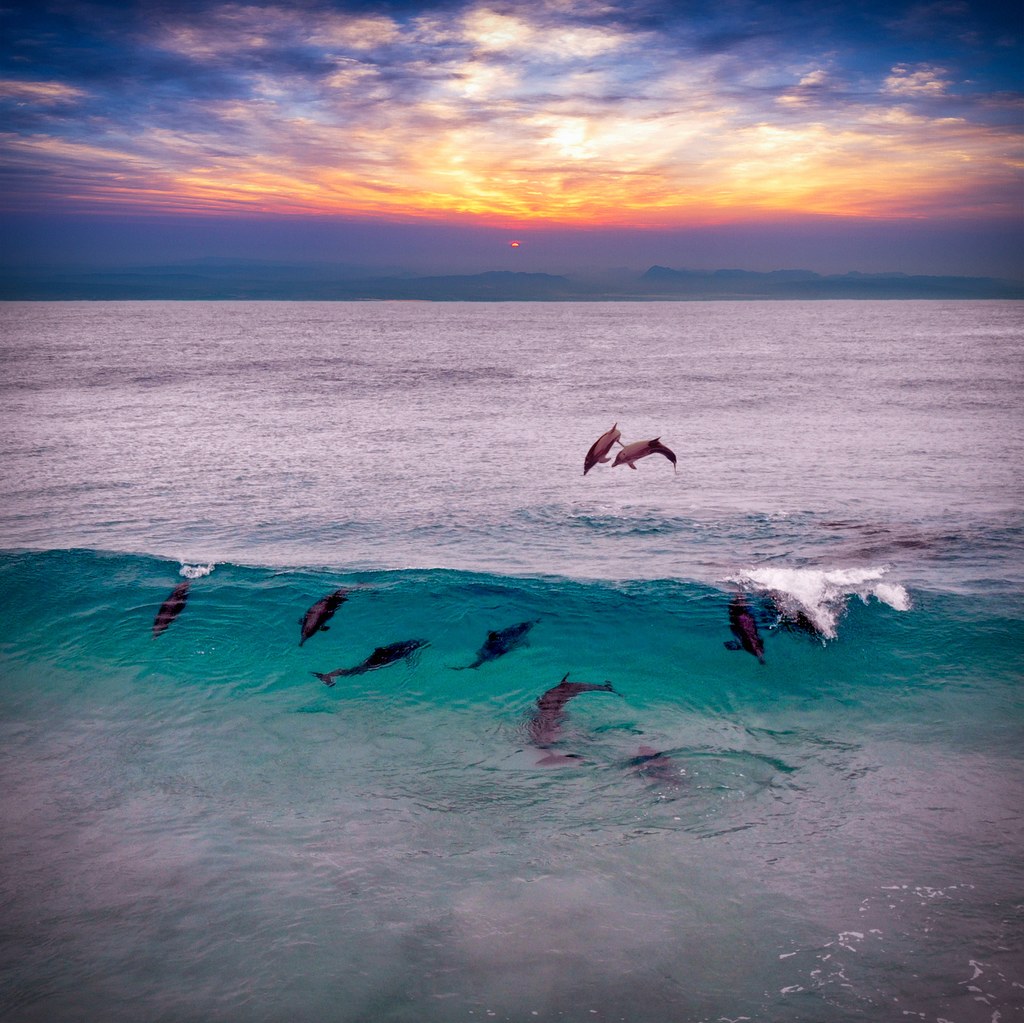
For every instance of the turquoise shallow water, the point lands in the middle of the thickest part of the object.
(196, 828)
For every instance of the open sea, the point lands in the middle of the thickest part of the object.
(196, 828)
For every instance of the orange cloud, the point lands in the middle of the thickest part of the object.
(519, 116)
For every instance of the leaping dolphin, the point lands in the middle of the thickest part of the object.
(316, 618)
(744, 628)
(500, 642)
(171, 608)
(632, 453)
(545, 724)
(601, 447)
(380, 658)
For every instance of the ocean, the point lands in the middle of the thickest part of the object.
(197, 828)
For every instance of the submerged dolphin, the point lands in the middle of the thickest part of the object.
(316, 618)
(500, 642)
(656, 767)
(545, 724)
(599, 449)
(631, 453)
(744, 628)
(380, 658)
(791, 616)
(171, 608)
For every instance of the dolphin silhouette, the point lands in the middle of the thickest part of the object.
(545, 724)
(171, 608)
(500, 642)
(380, 658)
(744, 628)
(631, 453)
(599, 449)
(316, 618)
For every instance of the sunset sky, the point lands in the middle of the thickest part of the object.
(835, 136)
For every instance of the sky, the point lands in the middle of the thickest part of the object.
(427, 137)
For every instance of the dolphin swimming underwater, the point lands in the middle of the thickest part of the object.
(744, 628)
(316, 618)
(380, 658)
(631, 453)
(545, 724)
(599, 449)
(656, 768)
(171, 608)
(500, 642)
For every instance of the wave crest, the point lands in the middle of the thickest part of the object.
(196, 571)
(821, 594)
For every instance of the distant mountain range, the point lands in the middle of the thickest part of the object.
(227, 279)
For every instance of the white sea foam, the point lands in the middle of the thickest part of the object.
(196, 571)
(821, 594)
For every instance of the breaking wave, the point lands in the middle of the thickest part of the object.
(196, 571)
(820, 595)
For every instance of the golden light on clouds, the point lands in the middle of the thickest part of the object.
(518, 115)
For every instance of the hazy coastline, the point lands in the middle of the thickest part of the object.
(213, 279)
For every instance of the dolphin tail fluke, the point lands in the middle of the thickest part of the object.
(327, 679)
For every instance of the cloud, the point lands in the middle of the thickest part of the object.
(558, 110)
(45, 93)
(922, 81)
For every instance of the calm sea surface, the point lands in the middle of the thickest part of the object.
(196, 828)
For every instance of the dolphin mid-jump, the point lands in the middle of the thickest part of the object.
(380, 658)
(171, 608)
(632, 453)
(599, 450)
(545, 724)
(500, 642)
(744, 628)
(316, 618)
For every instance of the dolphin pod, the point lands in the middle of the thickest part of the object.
(380, 658)
(316, 618)
(500, 642)
(546, 720)
(171, 608)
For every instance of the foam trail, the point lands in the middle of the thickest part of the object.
(821, 594)
(195, 571)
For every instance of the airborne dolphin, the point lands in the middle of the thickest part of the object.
(631, 453)
(545, 724)
(501, 642)
(744, 628)
(316, 618)
(380, 658)
(599, 449)
(171, 608)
